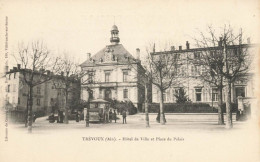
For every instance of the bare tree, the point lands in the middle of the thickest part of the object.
(67, 81)
(212, 61)
(36, 65)
(161, 70)
(87, 78)
(231, 60)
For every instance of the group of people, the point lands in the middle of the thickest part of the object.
(113, 115)
(60, 117)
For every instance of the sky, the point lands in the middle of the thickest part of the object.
(79, 27)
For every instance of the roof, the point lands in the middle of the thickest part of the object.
(205, 48)
(114, 27)
(99, 101)
(122, 56)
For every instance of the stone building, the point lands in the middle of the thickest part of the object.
(45, 95)
(198, 90)
(113, 73)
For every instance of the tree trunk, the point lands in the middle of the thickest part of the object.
(66, 119)
(229, 124)
(88, 107)
(162, 116)
(26, 117)
(30, 103)
(146, 108)
(220, 106)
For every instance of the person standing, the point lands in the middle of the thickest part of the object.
(124, 116)
(110, 116)
(114, 115)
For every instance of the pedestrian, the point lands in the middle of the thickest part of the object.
(110, 116)
(58, 118)
(51, 118)
(34, 117)
(114, 115)
(158, 117)
(61, 117)
(124, 116)
(77, 116)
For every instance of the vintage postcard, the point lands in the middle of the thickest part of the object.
(157, 81)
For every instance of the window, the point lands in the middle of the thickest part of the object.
(38, 90)
(38, 101)
(14, 75)
(100, 93)
(192, 70)
(125, 93)
(183, 71)
(198, 94)
(240, 91)
(59, 92)
(197, 70)
(107, 76)
(164, 97)
(214, 94)
(197, 55)
(177, 56)
(167, 96)
(19, 100)
(125, 74)
(9, 76)
(203, 70)
(177, 91)
(212, 53)
(90, 77)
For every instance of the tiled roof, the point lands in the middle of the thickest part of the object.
(121, 55)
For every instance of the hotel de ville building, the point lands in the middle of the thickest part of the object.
(113, 73)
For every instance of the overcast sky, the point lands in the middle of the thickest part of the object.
(78, 27)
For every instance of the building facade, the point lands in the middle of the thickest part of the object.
(198, 90)
(113, 73)
(45, 96)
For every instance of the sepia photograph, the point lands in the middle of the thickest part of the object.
(158, 81)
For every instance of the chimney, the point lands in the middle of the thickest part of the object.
(14, 68)
(48, 72)
(88, 56)
(248, 40)
(220, 42)
(172, 48)
(138, 53)
(19, 66)
(62, 73)
(187, 45)
(180, 48)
